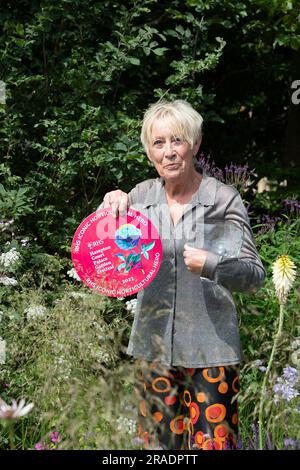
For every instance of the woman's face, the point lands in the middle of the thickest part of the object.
(171, 155)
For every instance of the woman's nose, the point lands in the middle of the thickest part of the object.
(169, 149)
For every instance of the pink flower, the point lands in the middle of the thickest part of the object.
(55, 437)
(14, 411)
(40, 446)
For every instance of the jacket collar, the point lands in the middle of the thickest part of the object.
(205, 195)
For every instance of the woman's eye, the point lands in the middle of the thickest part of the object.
(158, 143)
(178, 140)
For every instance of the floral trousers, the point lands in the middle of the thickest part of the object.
(186, 408)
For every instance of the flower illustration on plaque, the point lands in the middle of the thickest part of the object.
(127, 238)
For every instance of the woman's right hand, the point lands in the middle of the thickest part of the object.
(117, 201)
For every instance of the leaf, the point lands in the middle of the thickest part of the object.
(121, 146)
(131, 258)
(121, 266)
(148, 247)
(137, 258)
(146, 254)
(127, 269)
(134, 60)
(120, 255)
(160, 50)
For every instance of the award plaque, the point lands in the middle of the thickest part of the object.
(116, 257)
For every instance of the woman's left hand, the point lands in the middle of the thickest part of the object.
(194, 258)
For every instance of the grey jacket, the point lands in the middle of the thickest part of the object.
(185, 319)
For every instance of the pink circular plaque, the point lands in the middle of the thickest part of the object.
(116, 257)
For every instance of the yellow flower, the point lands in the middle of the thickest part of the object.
(284, 273)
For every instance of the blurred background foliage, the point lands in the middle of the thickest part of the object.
(79, 75)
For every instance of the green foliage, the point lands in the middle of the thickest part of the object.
(15, 202)
(62, 361)
(258, 324)
(79, 75)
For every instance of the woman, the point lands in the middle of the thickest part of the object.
(185, 330)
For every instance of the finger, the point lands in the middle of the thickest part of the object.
(186, 259)
(106, 201)
(123, 205)
(114, 209)
(190, 248)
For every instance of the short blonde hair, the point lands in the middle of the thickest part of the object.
(178, 114)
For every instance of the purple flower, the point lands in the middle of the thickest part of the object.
(291, 374)
(285, 387)
(291, 442)
(236, 175)
(136, 441)
(268, 223)
(255, 429)
(209, 167)
(293, 206)
(55, 437)
(41, 446)
(239, 444)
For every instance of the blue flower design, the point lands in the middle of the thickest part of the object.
(127, 236)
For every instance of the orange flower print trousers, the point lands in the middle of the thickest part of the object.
(185, 408)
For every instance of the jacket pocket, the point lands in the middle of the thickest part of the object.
(220, 237)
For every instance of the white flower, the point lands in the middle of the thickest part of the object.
(4, 225)
(78, 295)
(2, 351)
(295, 356)
(263, 185)
(9, 258)
(8, 281)
(73, 273)
(101, 356)
(126, 425)
(63, 368)
(131, 305)
(102, 333)
(35, 311)
(284, 273)
(24, 242)
(15, 410)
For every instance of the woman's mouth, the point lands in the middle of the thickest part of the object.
(171, 166)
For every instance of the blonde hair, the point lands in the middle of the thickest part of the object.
(178, 114)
